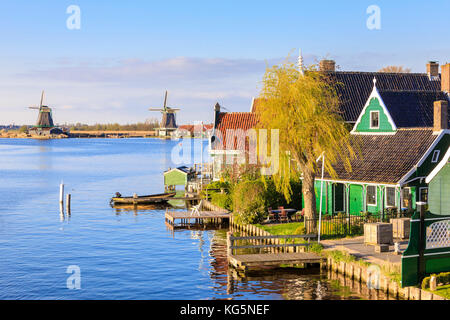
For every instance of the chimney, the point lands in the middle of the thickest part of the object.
(440, 115)
(217, 107)
(327, 65)
(216, 114)
(432, 69)
(445, 78)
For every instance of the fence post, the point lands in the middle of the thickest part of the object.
(229, 250)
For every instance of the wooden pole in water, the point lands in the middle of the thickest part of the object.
(68, 196)
(61, 193)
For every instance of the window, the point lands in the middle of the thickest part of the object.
(423, 195)
(339, 193)
(371, 195)
(374, 119)
(435, 156)
(390, 197)
(406, 198)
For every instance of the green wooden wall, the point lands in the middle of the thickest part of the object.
(364, 123)
(439, 192)
(175, 178)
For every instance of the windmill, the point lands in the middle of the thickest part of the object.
(44, 123)
(168, 123)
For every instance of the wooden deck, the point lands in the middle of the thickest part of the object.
(182, 219)
(278, 250)
(273, 259)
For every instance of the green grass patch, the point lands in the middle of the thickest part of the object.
(282, 228)
(339, 256)
(443, 291)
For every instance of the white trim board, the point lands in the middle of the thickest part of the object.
(439, 166)
(424, 157)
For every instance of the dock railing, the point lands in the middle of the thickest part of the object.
(269, 244)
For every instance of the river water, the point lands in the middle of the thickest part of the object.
(118, 254)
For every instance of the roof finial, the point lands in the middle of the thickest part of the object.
(374, 82)
(300, 62)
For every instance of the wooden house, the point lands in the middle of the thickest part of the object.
(401, 122)
(402, 136)
(229, 138)
(179, 176)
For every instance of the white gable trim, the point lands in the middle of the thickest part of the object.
(438, 168)
(374, 94)
(424, 157)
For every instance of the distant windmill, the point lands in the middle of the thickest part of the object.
(168, 123)
(44, 125)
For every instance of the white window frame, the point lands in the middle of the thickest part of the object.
(435, 157)
(420, 193)
(385, 197)
(402, 197)
(372, 127)
(376, 196)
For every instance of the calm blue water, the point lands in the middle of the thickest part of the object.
(121, 254)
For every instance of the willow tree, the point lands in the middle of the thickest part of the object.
(304, 107)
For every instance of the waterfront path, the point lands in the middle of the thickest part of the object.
(356, 247)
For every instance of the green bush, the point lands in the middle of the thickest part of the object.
(316, 248)
(249, 202)
(443, 278)
(222, 200)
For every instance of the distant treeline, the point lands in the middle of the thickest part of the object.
(140, 126)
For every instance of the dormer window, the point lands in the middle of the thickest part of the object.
(374, 119)
(435, 157)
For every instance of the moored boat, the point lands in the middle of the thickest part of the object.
(148, 199)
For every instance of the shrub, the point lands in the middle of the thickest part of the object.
(441, 278)
(316, 248)
(249, 202)
(222, 200)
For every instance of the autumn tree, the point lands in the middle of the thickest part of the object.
(303, 106)
(395, 69)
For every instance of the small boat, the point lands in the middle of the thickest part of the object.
(137, 200)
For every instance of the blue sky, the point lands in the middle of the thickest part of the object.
(128, 52)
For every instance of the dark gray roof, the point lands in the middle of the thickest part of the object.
(411, 108)
(354, 88)
(385, 158)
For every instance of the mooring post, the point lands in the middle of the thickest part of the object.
(61, 193)
(229, 250)
(68, 196)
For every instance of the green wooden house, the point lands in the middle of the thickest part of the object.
(178, 177)
(402, 136)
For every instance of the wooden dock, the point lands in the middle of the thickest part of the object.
(186, 219)
(279, 250)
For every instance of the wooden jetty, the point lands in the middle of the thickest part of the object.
(277, 251)
(187, 219)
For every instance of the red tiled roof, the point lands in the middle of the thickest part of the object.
(233, 126)
(191, 127)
